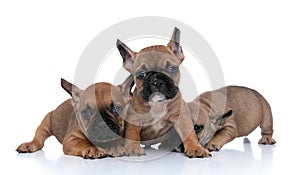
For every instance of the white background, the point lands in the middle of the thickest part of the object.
(257, 44)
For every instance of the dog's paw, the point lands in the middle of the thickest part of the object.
(29, 147)
(266, 140)
(116, 151)
(134, 150)
(213, 147)
(196, 152)
(93, 152)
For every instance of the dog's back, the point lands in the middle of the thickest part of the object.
(250, 109)
(61, 119)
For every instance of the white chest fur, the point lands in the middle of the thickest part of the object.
(155, 119)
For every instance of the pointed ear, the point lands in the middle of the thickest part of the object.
(126, 87)
(127, 55)
(221, 117)
(73, 90)
(175, 46)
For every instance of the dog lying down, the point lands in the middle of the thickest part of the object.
(221, 115)
(90, 124)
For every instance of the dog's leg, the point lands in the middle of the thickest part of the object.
(223, 136)
(115, 148)
(132, 145)
(192, 148)
(76, 144)
(41, 134)
(267, 126)
(184, 127)
(172, 142)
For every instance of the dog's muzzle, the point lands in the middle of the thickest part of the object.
(158, 87)
(103, 129)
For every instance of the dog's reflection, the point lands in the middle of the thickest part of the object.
(230, 160)
(227, 160)
(64, 163)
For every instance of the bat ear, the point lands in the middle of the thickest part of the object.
(127, 55)
(174, 44)
(218, 120)
(126, 86)
(73, 90)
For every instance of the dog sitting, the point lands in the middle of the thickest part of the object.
(157, 106)
(90, 124)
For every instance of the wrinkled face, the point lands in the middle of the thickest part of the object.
(205, 131)
(206, 126)
(100, 112)
(156, 75)
(155, 68)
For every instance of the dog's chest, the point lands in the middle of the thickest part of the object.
(156, 124)
(158, 110)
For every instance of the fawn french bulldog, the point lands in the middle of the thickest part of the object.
(90, 124)
(157, 106)
(221, 115)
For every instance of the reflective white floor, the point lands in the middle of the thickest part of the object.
(236, 157)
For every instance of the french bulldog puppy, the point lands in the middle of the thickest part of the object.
(157, 106)
(90, 124)
(221, 115)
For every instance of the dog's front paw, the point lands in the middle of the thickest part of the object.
(29, 147)
(134, 150)
(267, 140)
(93, 152)
(116, 151)
(213, 146)
(196, 152)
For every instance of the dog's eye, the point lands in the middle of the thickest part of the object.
(86, 113)
(141, 75)
(172, 69)
(198, 128)
(116, 109)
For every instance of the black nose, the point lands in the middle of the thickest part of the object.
(156, 82)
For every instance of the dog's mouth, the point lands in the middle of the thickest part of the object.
(103, 129)
(102, 133)
(157, 97)
(158, 87)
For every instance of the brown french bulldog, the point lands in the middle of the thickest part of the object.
(221, 115)
(90, 124)
(157, 106)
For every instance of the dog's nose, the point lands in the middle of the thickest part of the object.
(157, 82)
(154, 83)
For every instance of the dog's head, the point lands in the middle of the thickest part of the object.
(100, 109)
(155, 68)
(206, 127)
